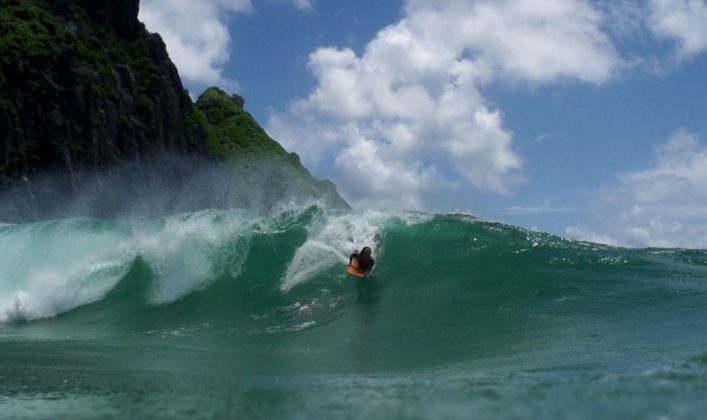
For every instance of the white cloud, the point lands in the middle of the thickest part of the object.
(375, 179)
(529, 40)
(664, 206)
(304, 4)
(517, 210)
(684, 21)
(408, 113)
(196, 35)
(586, 234)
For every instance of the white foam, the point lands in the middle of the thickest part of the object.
(180, 249)
(51, 267)
(48, 268)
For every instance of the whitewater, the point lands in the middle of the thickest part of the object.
(237, 313)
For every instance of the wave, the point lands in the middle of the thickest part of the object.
(51, 267)
(450, 279)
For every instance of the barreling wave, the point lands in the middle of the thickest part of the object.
(449, 279)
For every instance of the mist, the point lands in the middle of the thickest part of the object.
(170, 185)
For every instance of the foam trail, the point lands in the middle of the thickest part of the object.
(311, 259)
(181, 248)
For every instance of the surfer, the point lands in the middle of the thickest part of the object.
(364, 260)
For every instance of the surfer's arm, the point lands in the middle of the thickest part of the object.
(352, 256)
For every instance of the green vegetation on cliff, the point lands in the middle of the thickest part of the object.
(233, 132)
(234, 135)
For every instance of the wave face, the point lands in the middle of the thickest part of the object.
(446, 288)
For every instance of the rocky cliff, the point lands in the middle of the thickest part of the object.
(85, 87)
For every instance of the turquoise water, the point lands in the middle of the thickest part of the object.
(238, 314)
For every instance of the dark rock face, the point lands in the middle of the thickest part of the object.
(92, 87)
(84, 87)
(121, 15)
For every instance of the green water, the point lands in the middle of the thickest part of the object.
(242, 315)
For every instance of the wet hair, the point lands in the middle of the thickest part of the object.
(365, 260)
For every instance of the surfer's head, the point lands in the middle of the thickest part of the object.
(366, 252)
(365, 261)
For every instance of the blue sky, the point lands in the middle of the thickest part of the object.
(584, 118)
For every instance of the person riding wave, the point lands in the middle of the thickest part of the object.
(364, 260)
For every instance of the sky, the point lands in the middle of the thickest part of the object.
(582, 118)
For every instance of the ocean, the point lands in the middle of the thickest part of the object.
(244, 314)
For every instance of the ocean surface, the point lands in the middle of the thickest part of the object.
(237, 314)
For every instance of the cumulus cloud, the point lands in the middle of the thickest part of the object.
(410, 106)
(531, 40)
(547, 207)
(376, 180)
(684, 21)
(196, 35)
(304, 4)
(664, 206)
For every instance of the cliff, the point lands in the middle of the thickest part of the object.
(84, 87)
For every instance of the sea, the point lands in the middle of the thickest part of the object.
(250, 314)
